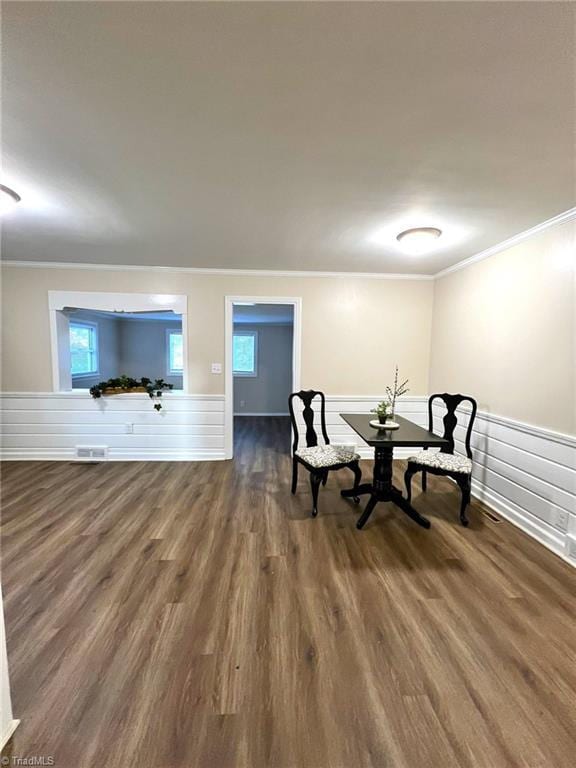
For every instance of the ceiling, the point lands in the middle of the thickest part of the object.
(292, 136)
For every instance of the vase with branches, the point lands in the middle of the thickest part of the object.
(395, 392)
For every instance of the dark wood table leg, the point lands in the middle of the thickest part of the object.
(372, 501)
(383, 490)
(381, 482)
(362, 489)
(409, 510)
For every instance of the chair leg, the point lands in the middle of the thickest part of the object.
(410, 472)
(325, 478)
(424, 477)
(355, 467)
(315, 481)
(294, 474)
(464, 483)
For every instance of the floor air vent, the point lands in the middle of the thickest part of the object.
(91, 452)
(491, 516)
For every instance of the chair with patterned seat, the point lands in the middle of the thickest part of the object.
(319, 460)
(446, 462)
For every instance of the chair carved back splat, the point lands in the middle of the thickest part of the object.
(307, 396)
(450, 419)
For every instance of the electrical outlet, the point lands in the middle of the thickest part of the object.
(216, 368)
(561, 519)
(129, 429)
(242, 403)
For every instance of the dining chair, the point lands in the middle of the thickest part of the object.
(319, 460)
(445, 462)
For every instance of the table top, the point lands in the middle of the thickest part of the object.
(408, 435)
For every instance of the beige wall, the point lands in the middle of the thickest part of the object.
(353, 330)
(504, 331)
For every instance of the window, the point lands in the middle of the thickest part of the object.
(245, 353)
(83, 349)
(175, 353)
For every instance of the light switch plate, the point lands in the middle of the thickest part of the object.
(216, 368)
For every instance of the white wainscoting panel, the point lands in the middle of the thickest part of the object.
(526, 474)
(52, 425)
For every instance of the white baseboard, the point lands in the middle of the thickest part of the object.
(113, 455)
(553, 540)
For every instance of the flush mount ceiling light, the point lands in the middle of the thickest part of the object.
(418, 240)
(8, 198)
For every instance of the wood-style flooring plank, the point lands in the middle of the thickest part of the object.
(194, 615)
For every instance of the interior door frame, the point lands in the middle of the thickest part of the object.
(296, 302)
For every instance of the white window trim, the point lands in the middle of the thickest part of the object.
(246, 374)
(169, 370)
(96, 330)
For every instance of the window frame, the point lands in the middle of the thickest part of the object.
(95, 352)
(246, 374)
(169, 370)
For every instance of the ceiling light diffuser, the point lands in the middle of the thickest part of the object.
(8, 198)
(418, 240)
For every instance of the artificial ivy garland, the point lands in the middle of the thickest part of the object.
(127, 384)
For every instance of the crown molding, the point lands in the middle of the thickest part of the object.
(210, 271)
(561, 218)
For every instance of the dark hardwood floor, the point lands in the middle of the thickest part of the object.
(194, 615)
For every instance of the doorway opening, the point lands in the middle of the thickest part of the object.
(262, 367)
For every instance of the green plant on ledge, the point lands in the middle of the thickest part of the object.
(124, 384)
